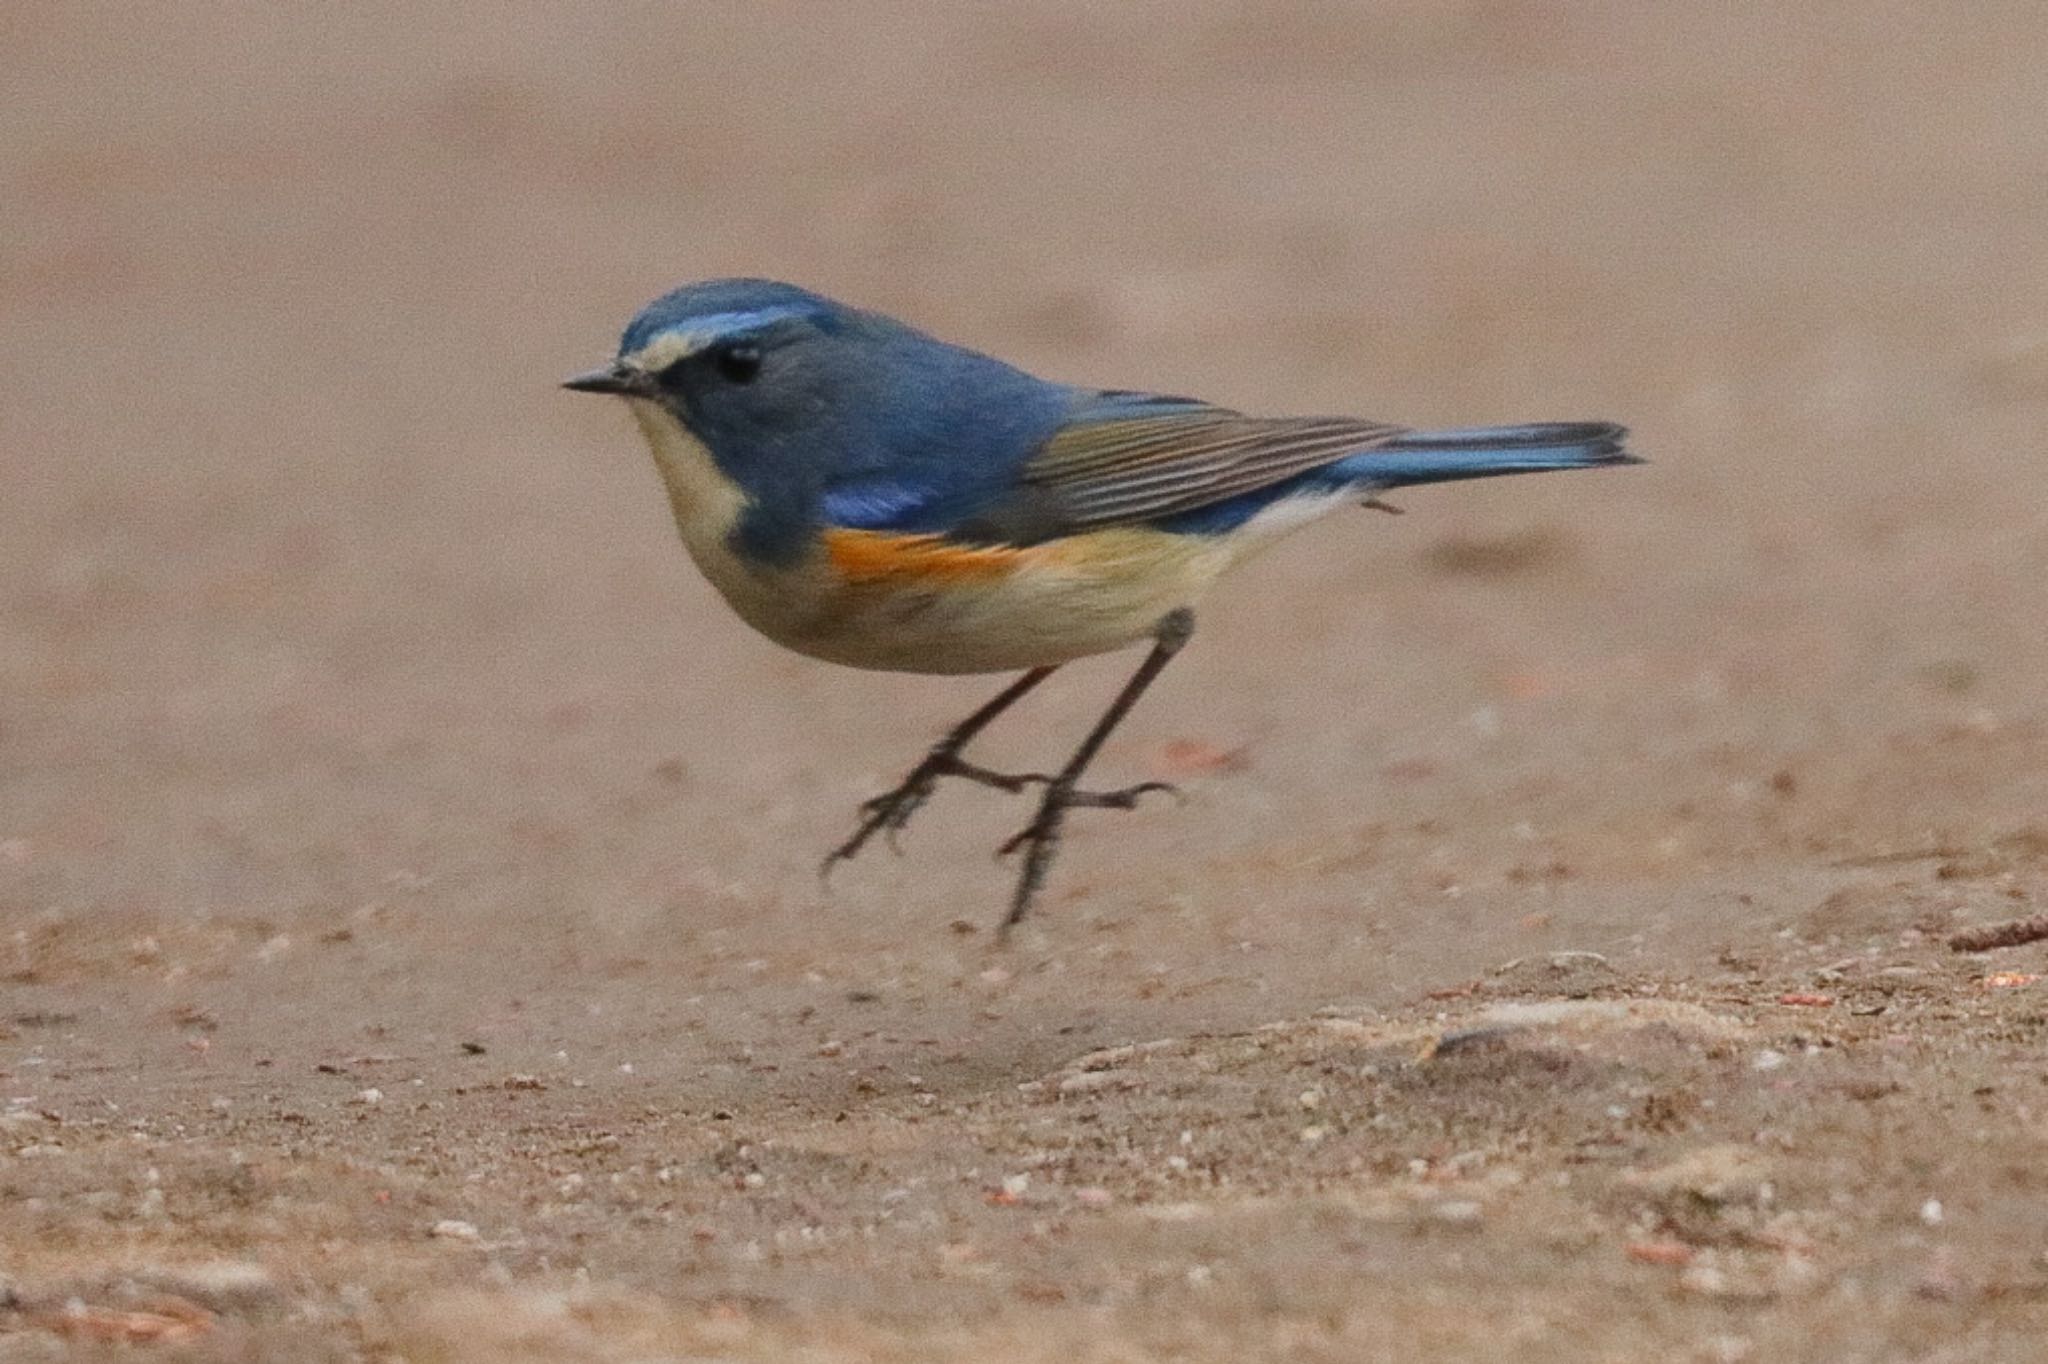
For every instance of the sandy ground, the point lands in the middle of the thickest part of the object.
(412, 948)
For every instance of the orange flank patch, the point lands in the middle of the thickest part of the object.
(874, 556)
(864, 556)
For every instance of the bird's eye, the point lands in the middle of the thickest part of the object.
(738, 362)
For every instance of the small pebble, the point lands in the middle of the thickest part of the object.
(217, 1285)
(451, 1229)
(1704, 1280)
(1090, 1080)
(1767, 1059)
(1931, 1212)
(1461, 1212)
(369, 1096)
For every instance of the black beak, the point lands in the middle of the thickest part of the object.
(613, 378)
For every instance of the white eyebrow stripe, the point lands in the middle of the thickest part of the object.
(665, 348)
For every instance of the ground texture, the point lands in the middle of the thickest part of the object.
(412, 948)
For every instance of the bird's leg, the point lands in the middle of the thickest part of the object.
(890, 811)
(1040, 839)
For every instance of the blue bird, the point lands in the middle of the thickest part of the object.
(866, 494)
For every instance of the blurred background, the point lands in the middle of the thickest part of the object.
(351, 676)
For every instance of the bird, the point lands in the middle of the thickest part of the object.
(867, 494)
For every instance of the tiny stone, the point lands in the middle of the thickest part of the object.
(452, 1229)
(1462, 1212)
(369, 1096)
(1767, 1059)
(1931, 1212)
(1705, 1280)
(217, 1285)
(1090, 1080)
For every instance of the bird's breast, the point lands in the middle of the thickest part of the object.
(707, 505)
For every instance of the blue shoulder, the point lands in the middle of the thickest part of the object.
(880, 503)
(952, 457)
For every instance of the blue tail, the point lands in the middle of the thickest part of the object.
(1484, 451)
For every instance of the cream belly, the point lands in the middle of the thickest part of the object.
(1045, 604)
(1046, 608)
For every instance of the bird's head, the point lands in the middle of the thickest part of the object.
(788, 391)
(735, 361)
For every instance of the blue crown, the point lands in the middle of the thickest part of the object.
(724, 305)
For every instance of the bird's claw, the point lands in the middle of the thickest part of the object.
(1051, 813)
(885, 815)
(888, 813)
(1124, 797)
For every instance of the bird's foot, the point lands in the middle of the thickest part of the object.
(1039, 840)
(889, 812)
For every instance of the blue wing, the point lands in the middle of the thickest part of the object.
(1118, 458)
(1123, 458)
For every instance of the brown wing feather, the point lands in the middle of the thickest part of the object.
(1138, 468)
